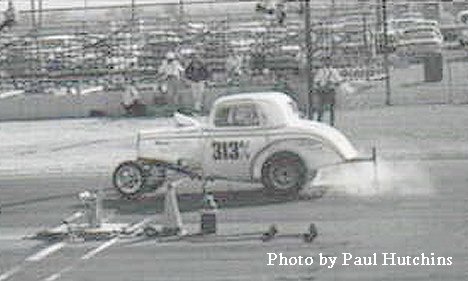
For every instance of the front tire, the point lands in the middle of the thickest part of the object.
(128, 178)
(284, 170)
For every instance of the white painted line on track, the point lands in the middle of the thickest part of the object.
(59, 274)
(54, 276)
(33, 258)
(10, 273)
(87, 256)
(101, 248)
(139, 224)
(46, 252)
(57, 246)
(114, 240)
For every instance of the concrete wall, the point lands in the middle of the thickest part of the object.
(50, 106)
(33, 107)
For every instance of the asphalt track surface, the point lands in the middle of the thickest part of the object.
(420, 206)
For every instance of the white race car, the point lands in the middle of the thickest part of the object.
(255, 137)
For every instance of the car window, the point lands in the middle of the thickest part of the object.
(242, 115)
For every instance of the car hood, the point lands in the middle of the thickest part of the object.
(331, 137)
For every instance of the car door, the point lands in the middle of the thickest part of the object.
(237, 134)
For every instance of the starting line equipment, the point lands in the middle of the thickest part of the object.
(88, 224)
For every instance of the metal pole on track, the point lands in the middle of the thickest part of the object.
(35, 63)
(450, 82)
(40, 13)
(33, 13)
(132, 35)
(309, 69)
(388, 89)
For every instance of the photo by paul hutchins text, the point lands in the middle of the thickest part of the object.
(346, 259)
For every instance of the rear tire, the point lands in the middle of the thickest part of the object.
(284, 170)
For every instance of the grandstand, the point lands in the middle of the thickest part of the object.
(88, 50)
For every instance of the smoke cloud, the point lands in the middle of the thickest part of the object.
(384, 178)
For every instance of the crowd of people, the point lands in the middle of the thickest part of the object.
(173, 73)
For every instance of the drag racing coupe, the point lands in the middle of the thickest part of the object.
(254, 137)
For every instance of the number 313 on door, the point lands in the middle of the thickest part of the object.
(231, 150)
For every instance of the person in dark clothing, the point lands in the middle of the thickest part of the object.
(197, 73)
(258, 62)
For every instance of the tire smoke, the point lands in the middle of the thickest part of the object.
(385, 178)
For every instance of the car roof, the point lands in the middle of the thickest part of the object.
(276, 97)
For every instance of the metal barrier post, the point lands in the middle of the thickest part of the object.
(309, 70)
(388, 89)
(171, 209)
(92, 206)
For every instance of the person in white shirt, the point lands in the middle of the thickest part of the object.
(131, 99)
(326, 81)
(171, 71)
(234, 66)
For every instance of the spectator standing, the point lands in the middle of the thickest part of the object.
(327, 81)
(171, 71)
(280, 12)
(301, 59)
(132, 101)
(9, 16)
(234, 63)
(274, 10)
(258, 61)
(197, 73)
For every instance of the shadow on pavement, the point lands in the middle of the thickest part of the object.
(194, 201)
